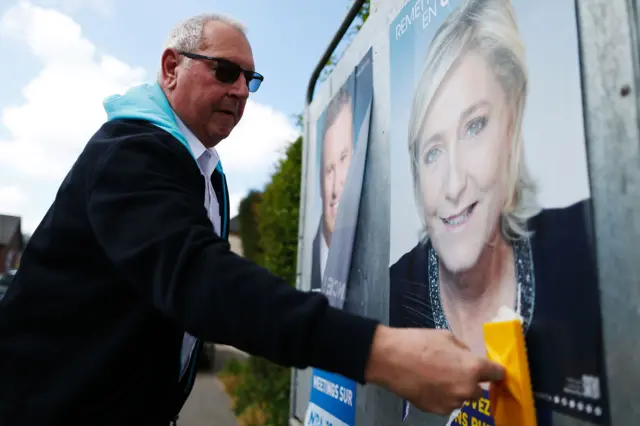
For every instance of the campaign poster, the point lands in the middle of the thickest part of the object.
(341, 151)
(490, 200)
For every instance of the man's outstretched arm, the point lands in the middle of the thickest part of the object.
(157, 234)
(155, 230)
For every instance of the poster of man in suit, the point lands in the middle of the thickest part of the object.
(341, 152)
(336, 141)
(342, 140)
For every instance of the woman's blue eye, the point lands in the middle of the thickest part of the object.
(431, 155)
(476, 125)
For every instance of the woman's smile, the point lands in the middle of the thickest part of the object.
(458, 220)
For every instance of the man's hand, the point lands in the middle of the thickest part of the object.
(431, 368)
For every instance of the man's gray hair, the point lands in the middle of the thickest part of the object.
(187, 35)
(337, 104)
(341, 101)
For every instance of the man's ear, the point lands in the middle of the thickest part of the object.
(169, 68)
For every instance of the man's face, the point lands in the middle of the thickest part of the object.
(210, 108)
(337, 153)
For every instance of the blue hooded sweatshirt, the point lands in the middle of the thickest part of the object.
(148, 102)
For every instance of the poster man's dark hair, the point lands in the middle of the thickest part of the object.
(339, 102)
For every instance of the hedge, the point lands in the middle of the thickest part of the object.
(261, 383)
(278, 215)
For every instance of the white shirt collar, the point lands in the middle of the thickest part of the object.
(324, 252)
(199, 149)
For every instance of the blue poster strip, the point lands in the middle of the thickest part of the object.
(475, 413)
(316, 416)
(478, 413)
(336, 395)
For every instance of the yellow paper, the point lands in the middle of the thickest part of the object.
(512, 399)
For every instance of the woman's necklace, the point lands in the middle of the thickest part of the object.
(525, 284)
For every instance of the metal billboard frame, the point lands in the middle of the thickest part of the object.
(609, 44)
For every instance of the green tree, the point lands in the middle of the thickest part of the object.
(363, 15)
(357, 24)
(266, 384)
(278, 215)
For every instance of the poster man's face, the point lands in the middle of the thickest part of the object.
(336, 157)
(463, 158)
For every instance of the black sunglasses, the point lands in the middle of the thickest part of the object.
(228, 72)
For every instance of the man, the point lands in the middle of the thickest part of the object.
(131, 261)
(335, 159)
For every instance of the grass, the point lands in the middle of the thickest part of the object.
(252, 415)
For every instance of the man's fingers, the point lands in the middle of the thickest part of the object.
(489, 371)
(477, 394)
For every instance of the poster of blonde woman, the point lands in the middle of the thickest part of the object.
(490, 202)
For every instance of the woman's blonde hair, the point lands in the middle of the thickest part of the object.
(487, 28)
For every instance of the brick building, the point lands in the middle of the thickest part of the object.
(11, 242)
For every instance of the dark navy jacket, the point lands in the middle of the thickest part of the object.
(124, 262)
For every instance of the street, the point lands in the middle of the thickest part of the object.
(208, 404)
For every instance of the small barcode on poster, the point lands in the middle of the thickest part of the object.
(591, 387)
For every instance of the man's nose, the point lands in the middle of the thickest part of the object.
(240, 88)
